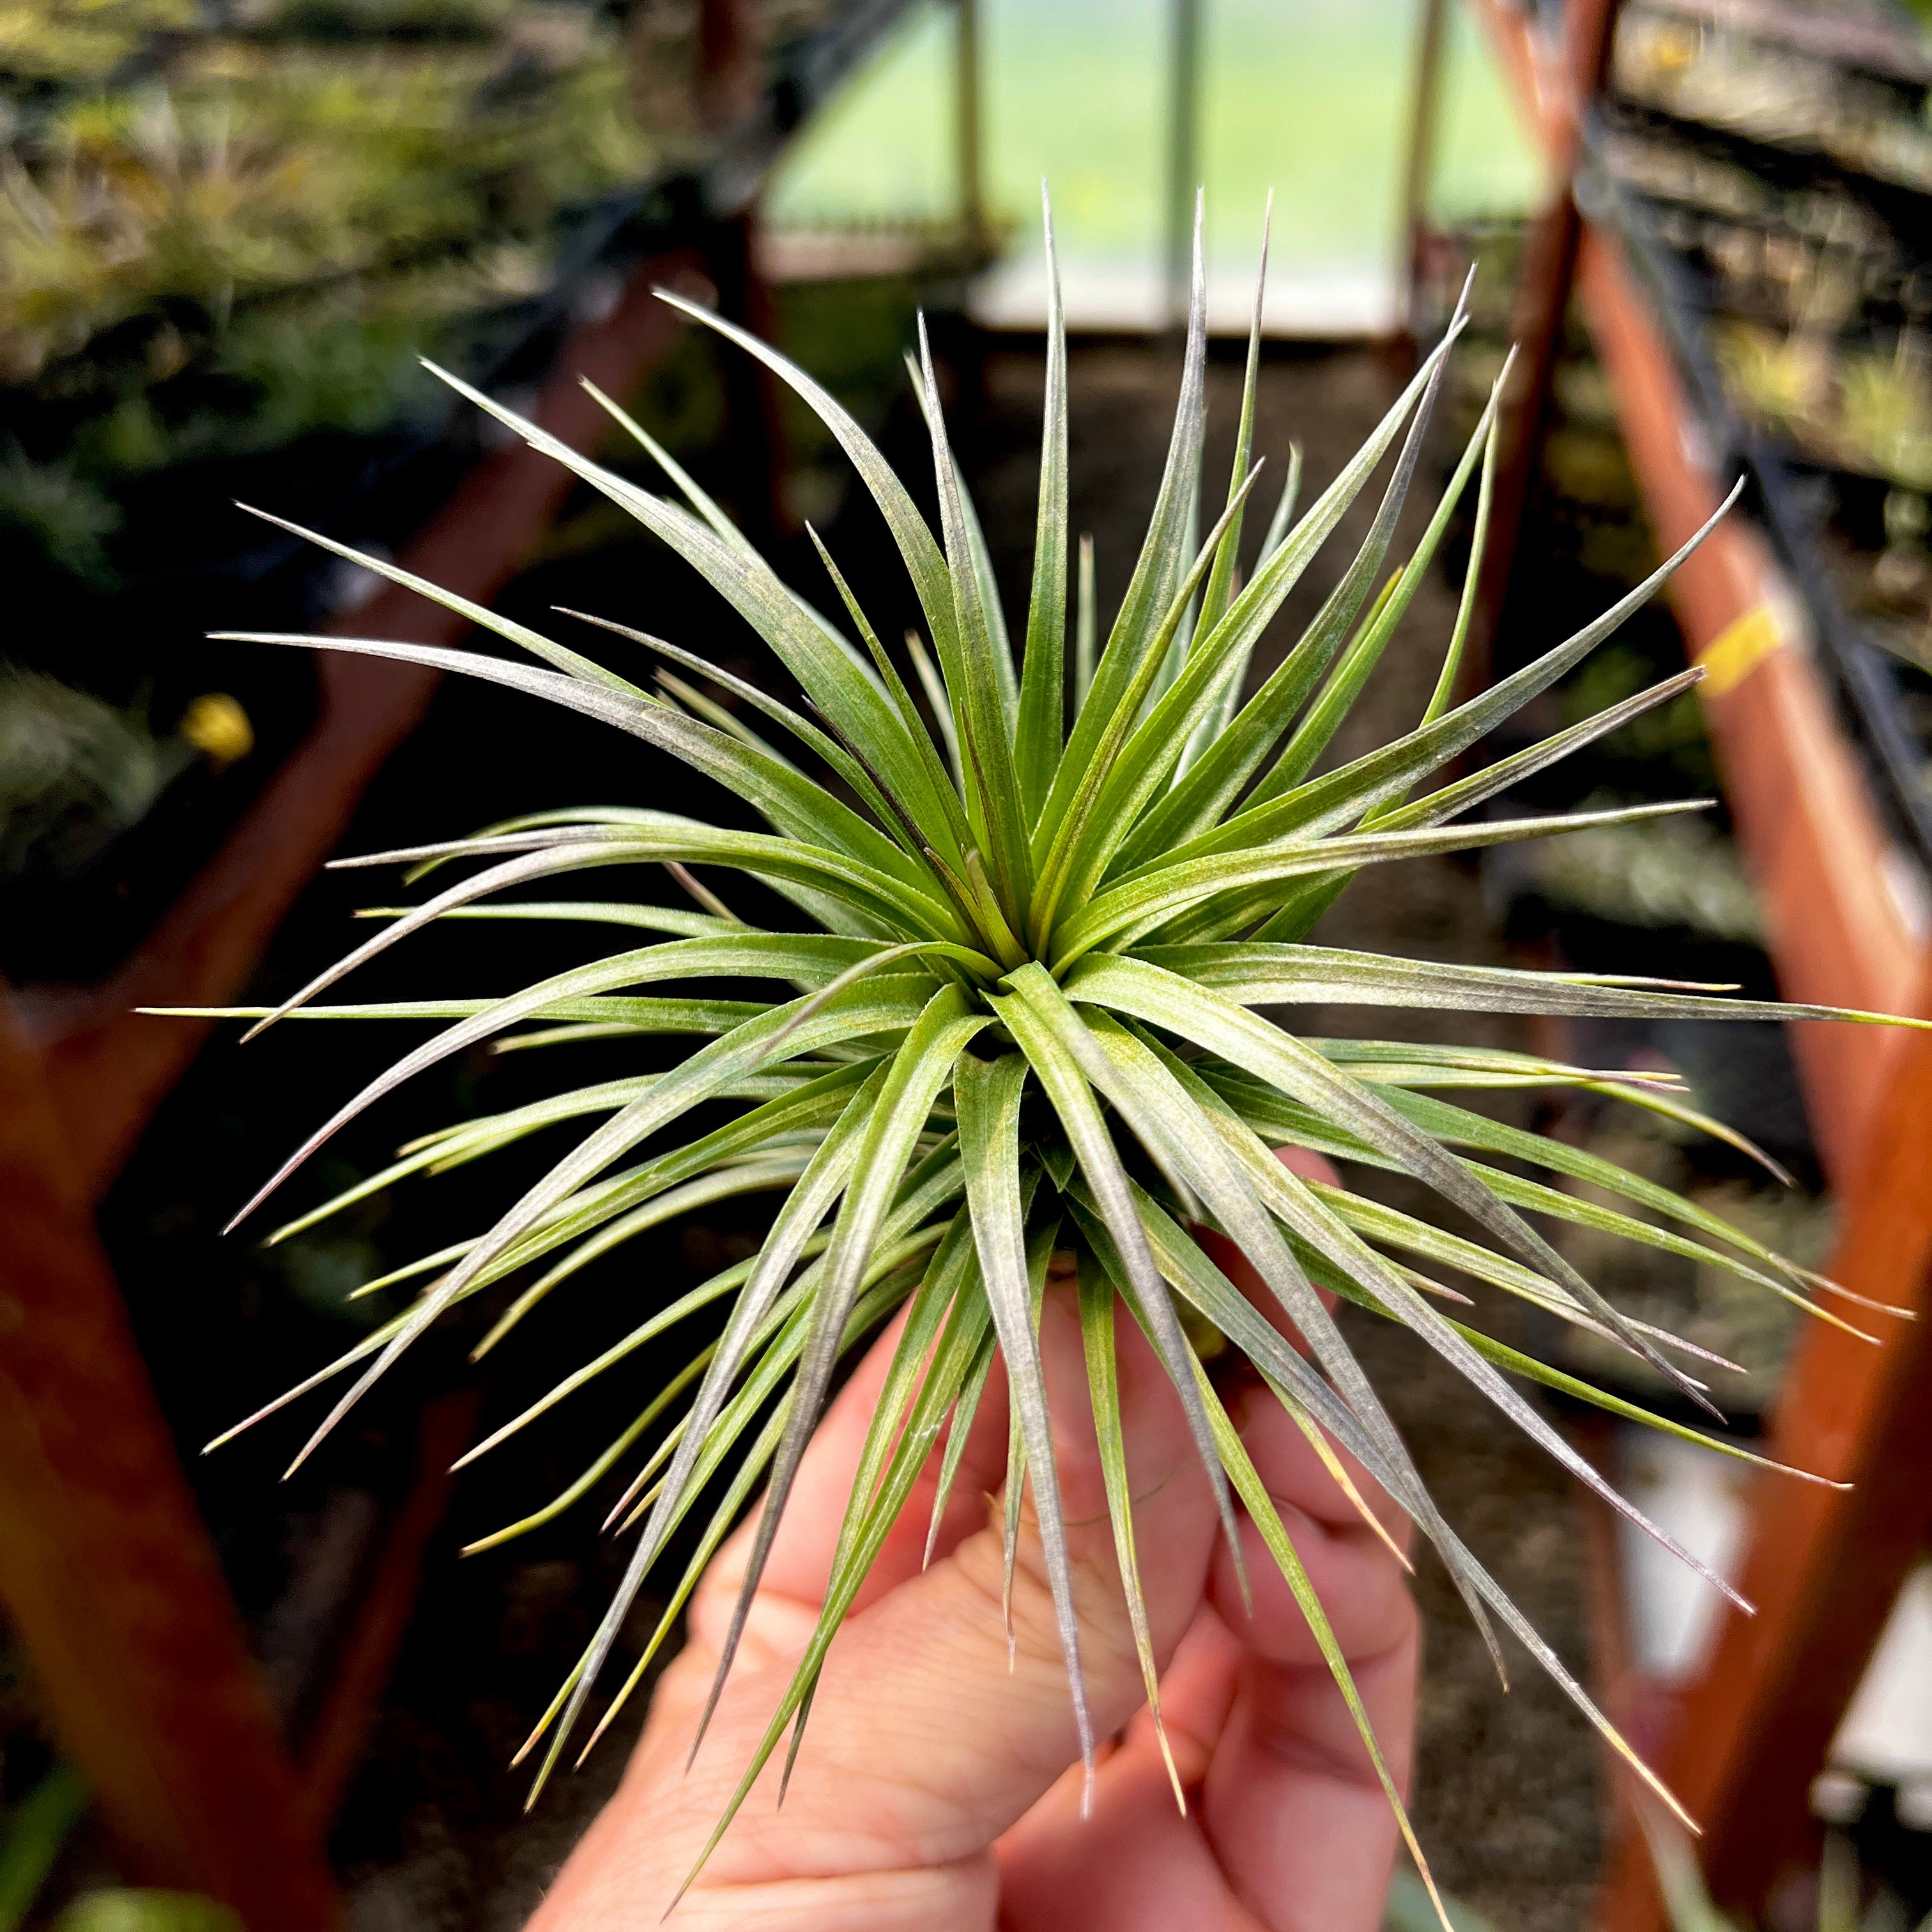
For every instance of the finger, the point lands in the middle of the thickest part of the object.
(798, 1567)
(792, 1584)
(1136, 1861)
(1309, 1164)
(800, 1558)
(1299, 1822)
(1361, 1587)
(1294, 1471)
(925, 1742)
(1292, 1771)
(1197, 1689)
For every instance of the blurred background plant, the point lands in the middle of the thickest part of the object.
(213, 242)
(1848, 1899)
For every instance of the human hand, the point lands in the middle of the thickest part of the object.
(939, 1788)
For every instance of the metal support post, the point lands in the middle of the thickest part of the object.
(1425, 103)
(969, 126)
(1183, 153)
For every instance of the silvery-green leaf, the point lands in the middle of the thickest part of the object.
(1038, 1018)
(1344, 685)
(978, 689)
(1097, 1337)
(1166, 999)
(1156, 1099)
(914, 1076)
(1261, 974)
(1139, 905)
(1041, 726)
(1157, 572)
(987, 1094)
(1218, 776)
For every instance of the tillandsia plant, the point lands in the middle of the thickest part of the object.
(1017, 1018)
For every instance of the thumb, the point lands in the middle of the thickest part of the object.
(926, 1741)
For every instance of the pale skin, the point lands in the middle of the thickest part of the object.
(939, 1788)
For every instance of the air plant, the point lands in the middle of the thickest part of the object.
(1016, 1017)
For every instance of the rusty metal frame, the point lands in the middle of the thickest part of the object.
(1741, 1743)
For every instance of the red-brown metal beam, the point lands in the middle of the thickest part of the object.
(1748, 1734)
(332, 1741)
(1741, 1742)
(106, 1571)
(1559, 80)
(1744, 1739)
(1418, 165)
(1823, 860)
(1819, 851)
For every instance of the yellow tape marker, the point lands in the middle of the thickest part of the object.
(1739, 648)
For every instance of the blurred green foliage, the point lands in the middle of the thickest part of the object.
(215, 240)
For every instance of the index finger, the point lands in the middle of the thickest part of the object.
(799, 1565)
